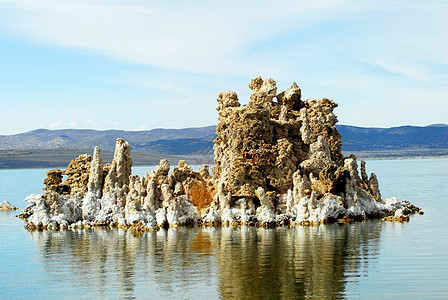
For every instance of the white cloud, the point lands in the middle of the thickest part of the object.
(141, 127)
(57, 125)
(195, 36)
(60, 124)
(358, 53)
(90, 123)
(241, 38)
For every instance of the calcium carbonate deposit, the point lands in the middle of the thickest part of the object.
(278, 161)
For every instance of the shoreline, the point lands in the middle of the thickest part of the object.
(403, 157)
(59, 158)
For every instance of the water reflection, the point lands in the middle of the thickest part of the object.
(296, 262)
(228, 262)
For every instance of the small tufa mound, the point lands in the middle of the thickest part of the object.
(278, 161)
(7, 206)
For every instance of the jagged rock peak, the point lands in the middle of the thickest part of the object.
(96, 178)
(121, 166)
(291, 98)
(123, 161)
(227, 99)
(263, 143)
(263, 91)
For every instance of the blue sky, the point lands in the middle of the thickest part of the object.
(138, 65)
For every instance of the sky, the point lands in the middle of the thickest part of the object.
(138, 65)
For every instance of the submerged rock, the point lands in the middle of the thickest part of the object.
(278, 161)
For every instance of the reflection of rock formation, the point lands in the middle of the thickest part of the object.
(118, 264)
(236, 263)
(277, 161)
(296, 263)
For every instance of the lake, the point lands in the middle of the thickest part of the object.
(368, 260)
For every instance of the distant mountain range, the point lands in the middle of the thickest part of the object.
(162, 141)
(403, 137)
(403, 141)
(395, 141)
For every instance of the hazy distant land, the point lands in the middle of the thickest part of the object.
(56, 148)
(60, 158)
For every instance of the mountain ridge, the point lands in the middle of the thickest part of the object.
(199, 140)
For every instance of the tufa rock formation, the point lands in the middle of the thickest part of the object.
(277, 161)
(7, 206)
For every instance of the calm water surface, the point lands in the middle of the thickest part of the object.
(369, 260)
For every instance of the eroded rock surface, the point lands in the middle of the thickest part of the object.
(278, 161)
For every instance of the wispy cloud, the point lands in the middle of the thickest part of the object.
(183, 53)
(240, 37)
(57, 124)
(198, 36)
(141, 127)
(60, 124)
